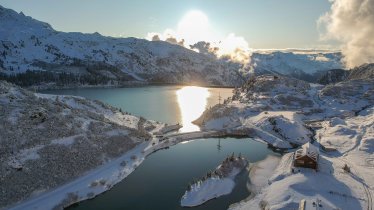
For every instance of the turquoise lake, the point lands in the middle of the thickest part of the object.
(161, 180)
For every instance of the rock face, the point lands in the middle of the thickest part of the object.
(49, 140)
(333, 76)
(364, 72)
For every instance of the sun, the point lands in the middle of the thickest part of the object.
(194, 27)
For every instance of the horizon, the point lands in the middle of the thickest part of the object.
(262, 21)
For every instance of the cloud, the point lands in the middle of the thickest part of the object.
(232, 47)
(195, 32)
(155, 37)
(352, 23)
(167, 36)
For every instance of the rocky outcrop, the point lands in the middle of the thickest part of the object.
(364, 72)
(333, 76)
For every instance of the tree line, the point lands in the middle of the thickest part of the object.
(30, 78)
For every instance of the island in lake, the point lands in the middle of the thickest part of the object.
(215, 183)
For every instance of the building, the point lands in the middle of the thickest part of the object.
(307, 156)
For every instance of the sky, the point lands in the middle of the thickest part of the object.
(263, 24)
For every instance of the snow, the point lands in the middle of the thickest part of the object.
(168, 128)
(32, 45)
(286, 190)
(212, 187)
(28, 43)
(261, 172)
(309, 150)
(282, 111)
(105, 177)
(209, 189)
(84, 187)
(18, 160)
(287, 63)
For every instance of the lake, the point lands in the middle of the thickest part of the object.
(161, 180)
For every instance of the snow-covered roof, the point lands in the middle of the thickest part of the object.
(309, 150)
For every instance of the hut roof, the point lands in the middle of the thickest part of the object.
(309, 150)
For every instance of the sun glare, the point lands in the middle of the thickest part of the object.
(194, 27)
(192, 103)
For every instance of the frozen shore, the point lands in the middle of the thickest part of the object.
(217, 183)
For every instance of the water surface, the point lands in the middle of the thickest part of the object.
(161, 180)
(170, 104)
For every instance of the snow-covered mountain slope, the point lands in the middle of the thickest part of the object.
(274, 108)
(28, 44)
(306, 66)
(47, 141)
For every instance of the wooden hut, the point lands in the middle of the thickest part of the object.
(307, 156)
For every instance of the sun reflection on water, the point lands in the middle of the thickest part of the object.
(192, 103)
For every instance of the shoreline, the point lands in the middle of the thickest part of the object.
(39, 88)
(82, 188)
(216, 183)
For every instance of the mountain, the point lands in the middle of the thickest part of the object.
(33, 53)
(304, 65)
(28, 44)
(365, 71)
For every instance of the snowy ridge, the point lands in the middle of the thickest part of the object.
(308, 66)
(29, 44)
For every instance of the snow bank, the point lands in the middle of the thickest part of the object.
(262, 171)
(217, 183)
(209, 189)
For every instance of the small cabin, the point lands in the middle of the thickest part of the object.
(307, 156)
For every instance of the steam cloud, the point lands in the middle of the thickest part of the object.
(167, 37)
(232, 47)
(352, 23)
